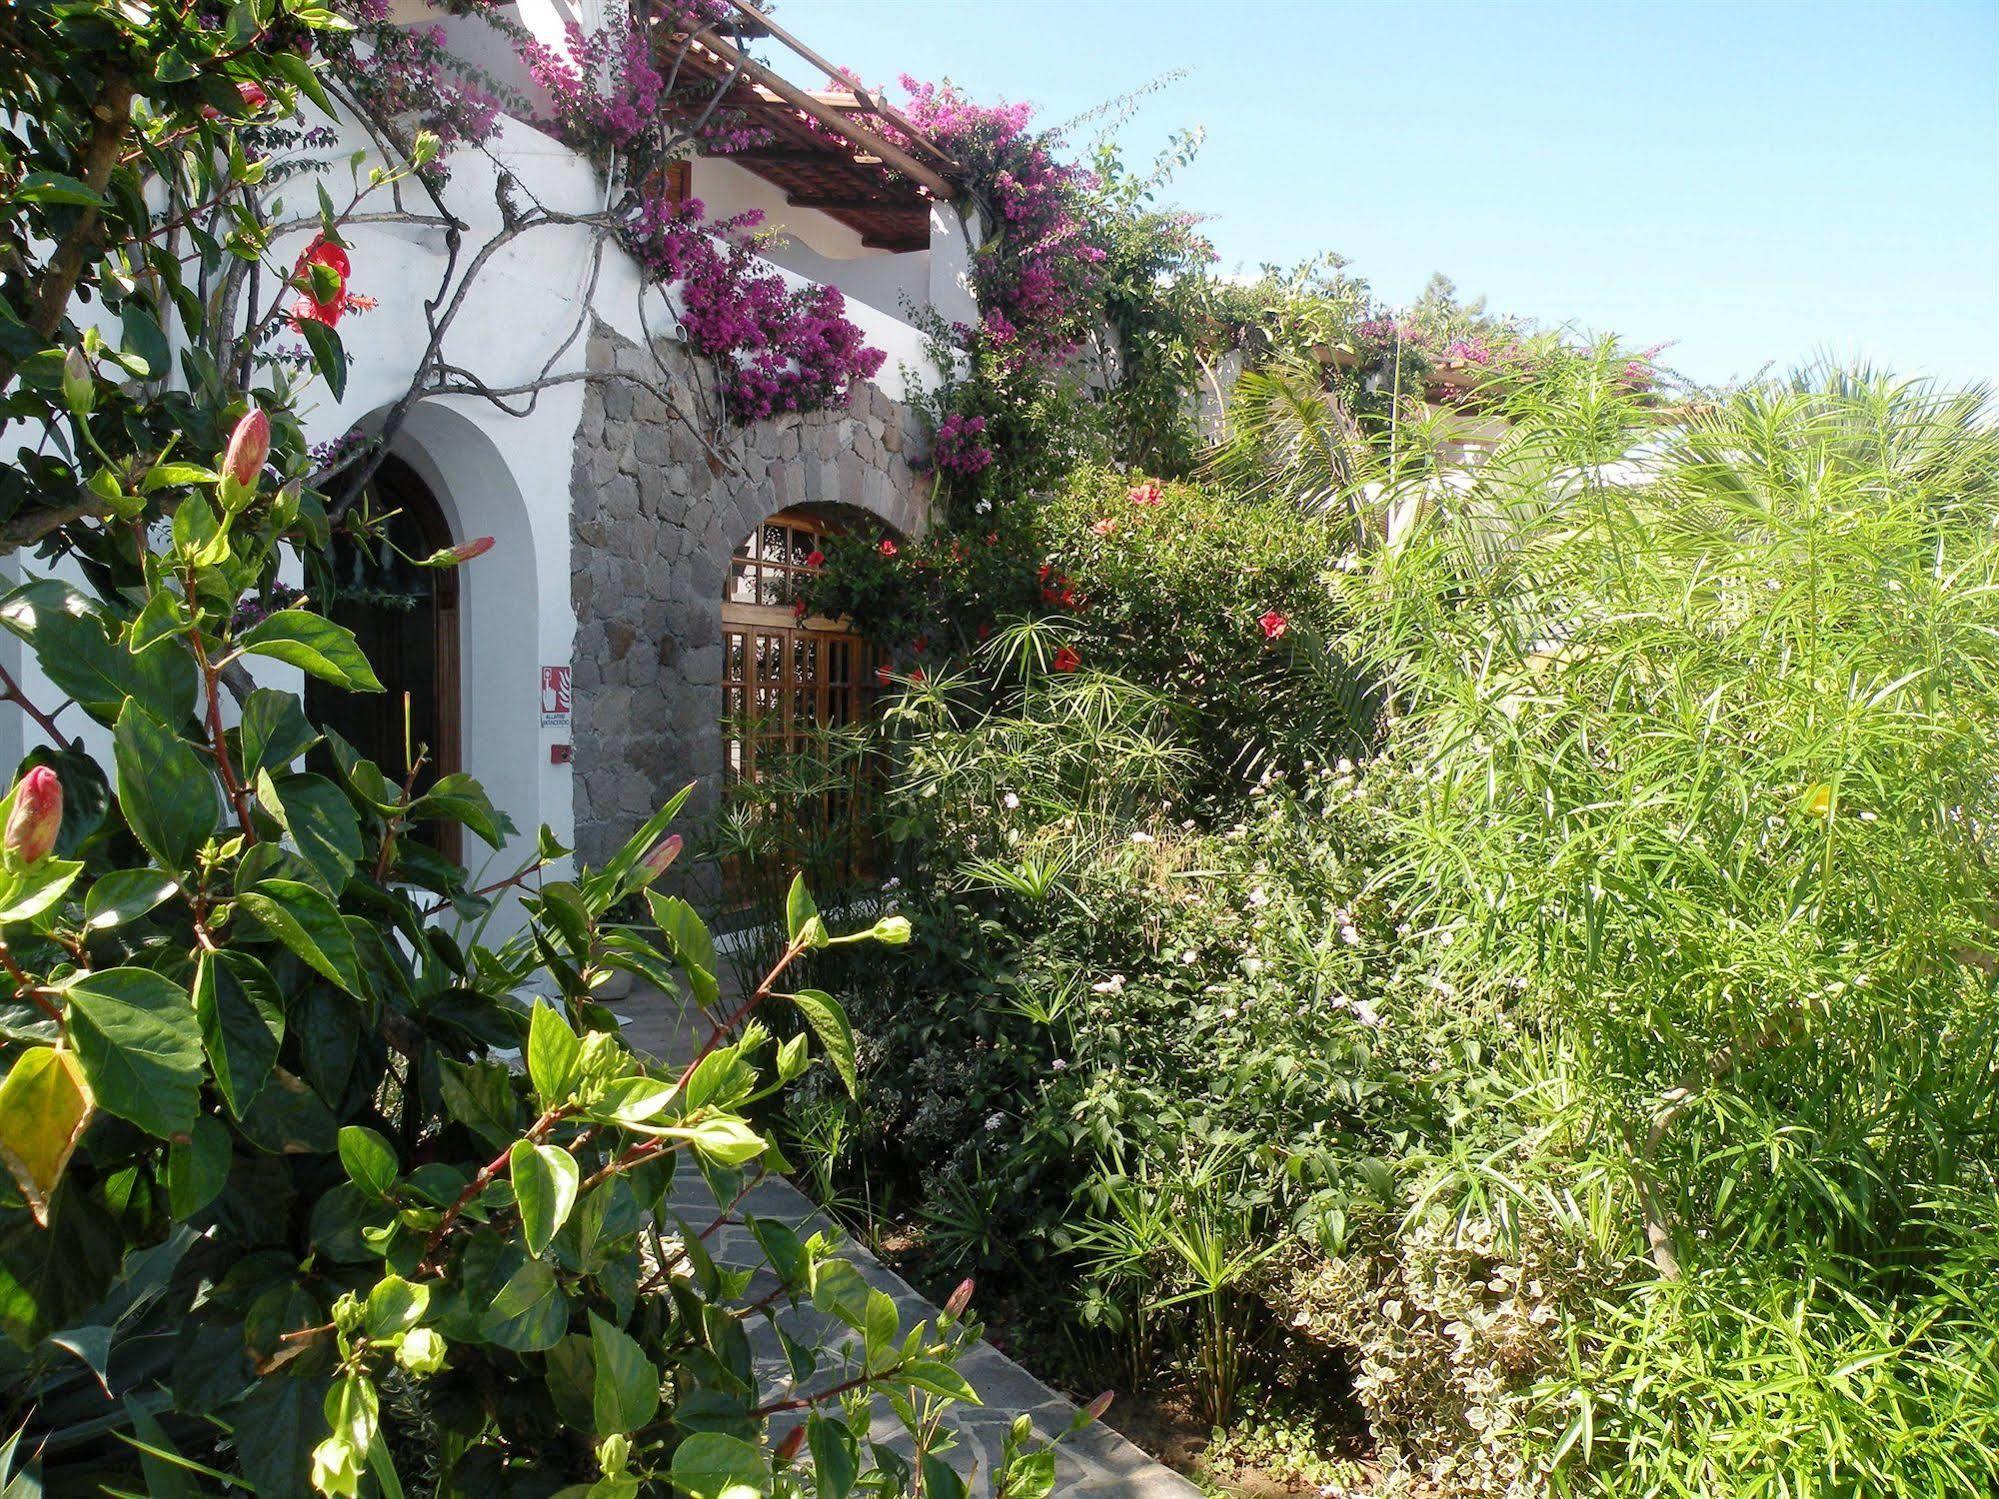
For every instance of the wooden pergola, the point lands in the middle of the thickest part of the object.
(821, 148)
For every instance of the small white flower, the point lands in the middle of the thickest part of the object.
(994, 1121)
(1366, 1014)
(1141, 837)
(1010, 802)
(1345, 766)
(1059, 1065)
(1189, 957)
(1229, 1013)
(1252, 966)
(891, 883)
(1350, 936)
(1110, 985)
(1259, 896)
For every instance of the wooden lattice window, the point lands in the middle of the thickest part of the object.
(783, 676)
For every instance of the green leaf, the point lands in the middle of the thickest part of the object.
(879, 1327)
(275, 732)
(278, 1424)
(836, 1456)
(165, 790)
(625, 1392)
(328, 354)
(242, 1023)
(370, 1160)
(395, 1306)
(51, 1276)
(320, 822)
(55, 187)
(692, 943)
(79, 653)
(940, 1379)
(314, 644)
(302, 918)
(555, 1055)
(801, 917)
(26, 893)
(530, 1313)
(940, 1479)
(136, 1036)
(459, 798)
(197, 1171)
(125, 895)
(724, 1139)
(829, 1023)
(709, 1464)
(545, 1179)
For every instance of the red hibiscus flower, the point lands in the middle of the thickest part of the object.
(882, 674)
(798, 608)
(817, 559)
(1148, 493)
(309, 308)
(1066, 659)
(916, 674)
(920, 644)
(887, 548)
(1274, 624)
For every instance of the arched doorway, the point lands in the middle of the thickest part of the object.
(796, 794)
(405, 618)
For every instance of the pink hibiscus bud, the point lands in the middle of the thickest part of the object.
(249, 448)
(252, 96)
(465, 551)
(662, 854)
(788, 1448)
(960, 1299)
(1094, 1411)
(37, 815)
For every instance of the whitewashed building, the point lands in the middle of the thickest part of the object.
(582, 668)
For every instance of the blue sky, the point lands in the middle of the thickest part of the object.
(1758, 182)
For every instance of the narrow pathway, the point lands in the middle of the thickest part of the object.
(1095, 1463)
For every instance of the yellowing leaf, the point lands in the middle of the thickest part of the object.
(1818, 801)
(45, 1106)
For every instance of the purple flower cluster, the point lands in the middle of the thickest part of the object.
(957, 448)
(602, 87)
(780, 348)
(1036, 279)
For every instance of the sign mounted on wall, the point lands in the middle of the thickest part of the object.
(555, 697)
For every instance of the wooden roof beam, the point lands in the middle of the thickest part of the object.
(856, 135)
(876, 106)
(834, 204)
(792, 156)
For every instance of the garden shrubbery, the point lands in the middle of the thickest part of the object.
(1543, 994)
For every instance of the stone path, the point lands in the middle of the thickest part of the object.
(1095, 1463)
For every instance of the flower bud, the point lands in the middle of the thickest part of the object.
(253, 97)
(249, 447)
(465, 551)
(788, 1448)
(893, 930)
(37, 815)
(662, 854)
(1094, 1411)
(79, 388)
(960, 1299)
(421, 1351)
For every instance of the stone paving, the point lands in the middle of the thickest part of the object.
(1095, 1463)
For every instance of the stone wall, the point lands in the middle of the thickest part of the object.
(653, 522)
